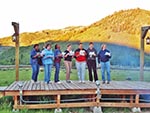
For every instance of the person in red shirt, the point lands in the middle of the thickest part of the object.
(80, 56)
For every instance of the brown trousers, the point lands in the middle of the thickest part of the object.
(68, 65)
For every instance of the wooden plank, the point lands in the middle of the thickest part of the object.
(124, 91)
(50, 87)
(66, 85)
(73, 86)
(34, 86)
(53, 86)
(30, 86)
(46, 87)
(38, 86)
(59, 86)
(85, 104)
(11, 86)
(17, 85)
(51, 92)
(26, 85)
(43, 85)
(3, 88)
(64, 105)
(77, 85)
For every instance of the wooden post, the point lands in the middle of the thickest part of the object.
(142, 59)
(58, 101)
(144, 31)
(137, 99)
(131, 99)
(17, 57)
(15, 101)
(16, 40)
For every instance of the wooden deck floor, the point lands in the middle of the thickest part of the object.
(133, 89)
(75, 85)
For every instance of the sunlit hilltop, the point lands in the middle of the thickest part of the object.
(122, 28)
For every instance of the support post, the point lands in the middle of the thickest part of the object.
(143, 34)
(58, 109)
(16, 40)
(144, 31)
(142, 59)
(17, 58)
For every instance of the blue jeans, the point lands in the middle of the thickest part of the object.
(81, 70)
(35, 71)
(47, 72)
(57, 69)
(105, 66)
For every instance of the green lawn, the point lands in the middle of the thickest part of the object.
(8, 76)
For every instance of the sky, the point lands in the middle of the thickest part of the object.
(36, 15)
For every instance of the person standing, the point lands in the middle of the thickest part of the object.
(48, 57)
(103, 59)
(57, 60)
(68, 62)
(80, 56)
(91, 62)
(34, 55)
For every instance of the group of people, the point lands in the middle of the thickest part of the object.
(47, 57)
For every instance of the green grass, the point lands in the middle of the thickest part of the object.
(7, 76)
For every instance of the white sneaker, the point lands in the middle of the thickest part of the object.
(83, 82)
(32, 81)
(58, 82)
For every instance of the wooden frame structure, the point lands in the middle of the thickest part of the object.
(127, 92)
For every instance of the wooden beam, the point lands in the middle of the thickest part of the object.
(15, 100)
(78, 92)
(50, 92)
(85, 104)
(137, 97)
(131, 99)
(1, 94)
(58, 101)
(62, 105)
(118, 104)
(17, 57)
(141, 57)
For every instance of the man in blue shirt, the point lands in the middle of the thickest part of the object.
(103, 59)
(34, 54)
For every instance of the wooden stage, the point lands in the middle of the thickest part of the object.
(75, 94)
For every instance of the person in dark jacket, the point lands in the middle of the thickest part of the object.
(57, 60)
(34, 55)
(103, 59)
(91, 62)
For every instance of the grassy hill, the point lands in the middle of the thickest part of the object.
(121, 28)
(128, 57)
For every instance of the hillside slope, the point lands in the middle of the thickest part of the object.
(122, 28)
